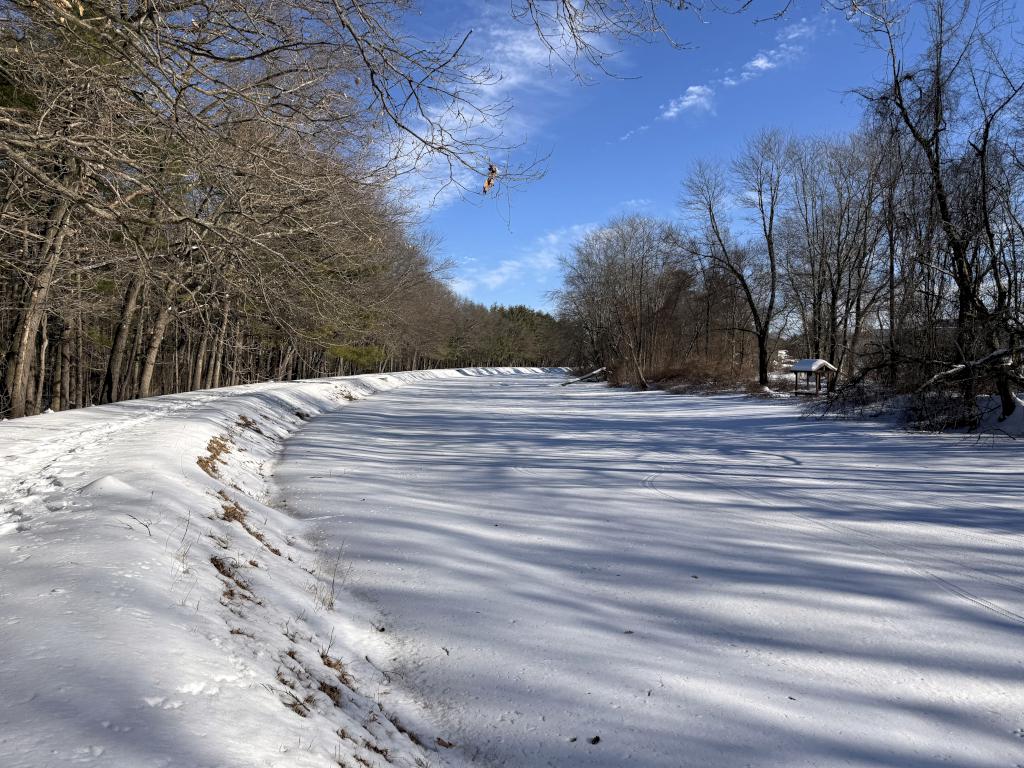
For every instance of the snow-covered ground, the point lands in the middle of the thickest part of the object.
(692, 581)
(484, 568)
(154, 612)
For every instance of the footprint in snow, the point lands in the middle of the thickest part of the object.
(13, 521)
(87, 754)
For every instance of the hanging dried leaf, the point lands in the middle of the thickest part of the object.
(492, 175)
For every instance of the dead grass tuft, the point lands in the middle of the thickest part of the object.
(235, 513)
(382, 751)
(235, 587)
(403, 730)
(339, 668)
(224, 567)
(232, 510)
(246, 423)
(217, 447)
(332, 692)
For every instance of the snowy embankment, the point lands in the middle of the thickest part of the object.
(156, 611)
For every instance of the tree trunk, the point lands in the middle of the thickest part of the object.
(65, 371)
(199, 358)
(218, 349)
(44, 345)
(285, 366)
(156, 338)
(762, 359)
(129, 381)
(79, 380)
(115, 363)
(28, 324)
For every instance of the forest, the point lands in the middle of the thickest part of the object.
(200, 194)
(894, 252)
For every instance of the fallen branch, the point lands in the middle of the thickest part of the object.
(602, 369)
(956, 369)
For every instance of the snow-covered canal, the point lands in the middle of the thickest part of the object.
(586, 577)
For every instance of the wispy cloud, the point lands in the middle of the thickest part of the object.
(696, 98)
(789, 48)
(537, 263)
(635, 204)
(517, 83)
(801, 30)
(630, 134)
(519, 60)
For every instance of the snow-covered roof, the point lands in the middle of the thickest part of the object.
(809, 365)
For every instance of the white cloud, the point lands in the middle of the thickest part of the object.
(697, 98)
(801, 30)
(461, 285)
(519, 60)
(635, 203)
(770, 59)
(518, 80)
(538, 263)
(761, 62)
(630, 134)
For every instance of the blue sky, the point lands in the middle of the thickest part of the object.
(621, 145)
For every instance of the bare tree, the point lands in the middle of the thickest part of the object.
(756, 182)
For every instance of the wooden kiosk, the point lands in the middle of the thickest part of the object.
(811, 367)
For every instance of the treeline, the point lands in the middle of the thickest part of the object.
(895, 252)
(197, 194)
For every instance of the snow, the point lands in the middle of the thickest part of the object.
(155, 614)
(992, 421)
(810, 365)
(480, 567)
(705, 581)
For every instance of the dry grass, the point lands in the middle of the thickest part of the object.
(235, 587)
(224, 567)
(339, 668)
(332, 692)
(216, 448)
(403, 730)
(235, 513)
(246, 423)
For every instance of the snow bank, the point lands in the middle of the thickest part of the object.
(992, 421)
(157, 610)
